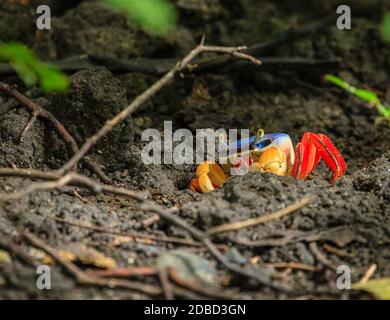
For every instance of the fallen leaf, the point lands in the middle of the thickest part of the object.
(380, 288)
(68, 256)
(87, 255)
(40, 255)
(2, 281)
(76, 252)
(188, 266)
(5, 258)
(44, 258)
(118, 240)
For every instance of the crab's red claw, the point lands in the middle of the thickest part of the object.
(331, 156)
(305, 154)
(312, 148)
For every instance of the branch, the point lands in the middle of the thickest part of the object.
(214, 251)
(261, 48)
(56, 181)
(85, 279)
(17, 251)
(124, 272)
(39, 112)
(158, 67)
(82, 181)
(136, 236)
(149, 93)
(321, 256)
(166, 284)
(64, 177)
(259, 220)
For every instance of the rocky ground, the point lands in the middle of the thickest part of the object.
(347, 223)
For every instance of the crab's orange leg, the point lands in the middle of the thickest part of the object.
(313, 148)
(210, 176)
(272, 160)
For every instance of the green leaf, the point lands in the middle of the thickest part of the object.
(385, 27)
(19, 56)
(158, 17)
(367, 95)
(380, 288)
(339, 82)
(31, 70)
(27, 75)
(384, 110)
(51, 79)
(387, 110)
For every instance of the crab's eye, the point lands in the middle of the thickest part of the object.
(262, 144)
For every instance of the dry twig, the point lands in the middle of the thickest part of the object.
(57, 181)
(63, 176)
(39, 112)
(147, 222)
(149, 93)
(369, 273)
(321, 256)
(292, 265)
(166, 284)
(337, 251)
(124, 272)
(290, 236)
(160, 66)
(17, 251)
(214, 251)
(134, 235)
(78, 180)
(84, 278)
(75, 179)
(262, 48)
(252, 222)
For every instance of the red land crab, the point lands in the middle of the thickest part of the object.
(273, 153)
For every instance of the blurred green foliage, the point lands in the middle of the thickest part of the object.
(380, 288)
(363, 94)
(385, 27)
(31, 70)
(157, 17)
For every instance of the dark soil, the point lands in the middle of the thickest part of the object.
(352, 216)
